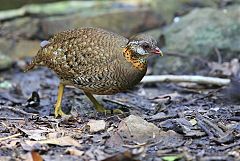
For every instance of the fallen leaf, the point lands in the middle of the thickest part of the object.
(172, 158)
(96, 125)
(53, 135)
(32, 145)
(193, 121)
(5, 85)
(36, 156)
(63, 141)
(35, 134)
(32, 156)
(74, 151)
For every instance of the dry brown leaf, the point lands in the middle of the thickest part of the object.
(32, 156)
(63, 141)
(36, 156)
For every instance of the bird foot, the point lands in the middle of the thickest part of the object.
(115, 111)
(101, 109)
(59, 112)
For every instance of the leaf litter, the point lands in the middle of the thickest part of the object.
(173, 122)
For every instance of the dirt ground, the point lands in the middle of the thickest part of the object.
(163, 121)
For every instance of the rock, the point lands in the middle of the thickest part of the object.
(134, 128)
(25, 27)
(209, 29)
(155, 33)
(5, 61)
(171, 8)
(10, 14)
(121, 21)
(26, 48)
(47, 9)
(96, 125)
(19, 48)
(63, 8)
(122, 17)
(200, 33)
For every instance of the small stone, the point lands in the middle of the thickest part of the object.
(134, 128)
(5, 61)
(96, 125)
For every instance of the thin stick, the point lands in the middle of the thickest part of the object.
(186, 78)
(11, 136)
(218, 55)
(16, 110)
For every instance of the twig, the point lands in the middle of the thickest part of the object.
(186, 78)
(138, 145)
(235, 144)
(201, 123)
(11, 118)
(117, 102)
(163, 118)
(9, 137)
(214, 128)
(218, 55)
(16, 110)
(204, 128)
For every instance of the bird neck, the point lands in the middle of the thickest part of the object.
(139, 63)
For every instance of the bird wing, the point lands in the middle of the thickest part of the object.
(88, 45)
(81, 51)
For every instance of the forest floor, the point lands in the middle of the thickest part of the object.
(163, 121)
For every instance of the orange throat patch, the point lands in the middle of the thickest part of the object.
(137, 63)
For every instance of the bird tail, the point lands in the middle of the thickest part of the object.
(35, 61)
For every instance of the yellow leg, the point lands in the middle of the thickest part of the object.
(58, 107)
(99, 107)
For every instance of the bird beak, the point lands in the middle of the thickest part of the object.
(157, 51)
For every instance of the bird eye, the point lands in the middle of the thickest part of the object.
(146, 46)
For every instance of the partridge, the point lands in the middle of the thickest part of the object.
(96, 61)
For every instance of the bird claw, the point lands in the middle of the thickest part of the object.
(113, 111)
(59, 112)
(117, 111)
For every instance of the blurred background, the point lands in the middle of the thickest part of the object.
(190, 32)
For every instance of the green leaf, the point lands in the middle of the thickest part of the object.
(172, 157)
(5, 85)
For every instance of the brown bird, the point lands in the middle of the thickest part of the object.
(96, 61)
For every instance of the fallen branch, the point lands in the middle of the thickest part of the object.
(186, 78)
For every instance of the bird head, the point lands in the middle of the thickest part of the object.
(143, 46)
